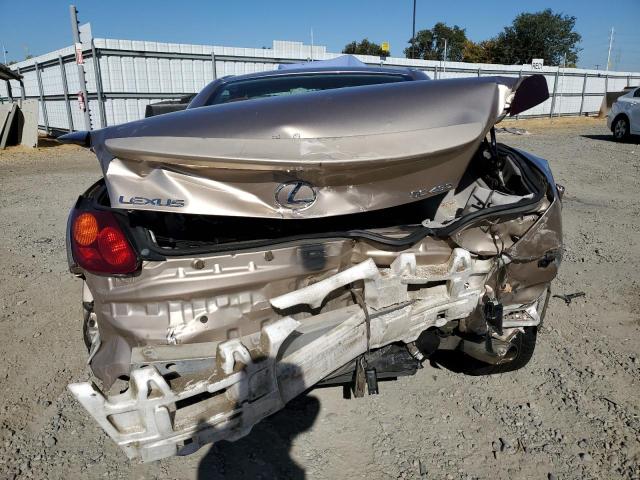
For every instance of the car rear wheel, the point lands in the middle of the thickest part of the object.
(520, 353)
(523, 346)
(621, 128)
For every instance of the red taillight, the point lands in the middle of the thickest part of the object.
(114, 248)
(99, 245)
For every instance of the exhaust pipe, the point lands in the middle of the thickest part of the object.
(501, 351)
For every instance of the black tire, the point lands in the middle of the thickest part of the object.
(86, 318)
(524, 345)
(620, 128)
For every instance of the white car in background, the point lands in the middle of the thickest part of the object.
(624, 117)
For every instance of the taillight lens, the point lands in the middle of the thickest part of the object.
(85, 229)
(99, 244)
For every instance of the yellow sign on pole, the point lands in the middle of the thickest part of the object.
(385, 47)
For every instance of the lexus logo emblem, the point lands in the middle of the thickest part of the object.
(295, 195)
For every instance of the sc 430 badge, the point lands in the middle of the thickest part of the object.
(154, 202)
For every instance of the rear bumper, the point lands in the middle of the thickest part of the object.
(230, 386)
(147, 422)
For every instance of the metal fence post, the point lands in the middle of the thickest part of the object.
(479, 72)
(584, 89)
(519, 76)
(44, 105)
(65, 90)
(83, 83)
(22, 94)
(98, 74)
(555, 90)
(9, 92)
(213, 65)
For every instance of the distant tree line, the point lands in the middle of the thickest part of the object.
(365, 47)
(547, 35)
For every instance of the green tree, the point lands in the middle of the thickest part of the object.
(365, 47)
(544, 34)
(429, 43)
(481, 52)
(475, 53)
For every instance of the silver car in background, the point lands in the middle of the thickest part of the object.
(624, 117)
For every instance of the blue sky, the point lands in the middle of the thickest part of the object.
(42, 26)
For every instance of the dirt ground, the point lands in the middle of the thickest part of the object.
(573, 413)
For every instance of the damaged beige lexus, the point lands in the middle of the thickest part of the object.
(302, 227)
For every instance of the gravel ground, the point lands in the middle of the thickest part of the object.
(572, 413)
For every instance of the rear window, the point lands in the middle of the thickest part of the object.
(295, 84)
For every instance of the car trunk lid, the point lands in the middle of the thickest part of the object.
(311, 155)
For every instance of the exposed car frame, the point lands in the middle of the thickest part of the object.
(263, 270)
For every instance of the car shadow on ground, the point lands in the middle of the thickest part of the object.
(609, 138)
(457, 362)
(449, 360)
(265, 452)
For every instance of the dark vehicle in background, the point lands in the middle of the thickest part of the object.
(316, 226)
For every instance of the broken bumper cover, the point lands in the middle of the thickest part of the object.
(147, 423)
(241, 381)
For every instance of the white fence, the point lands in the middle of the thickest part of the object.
(128, 75)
